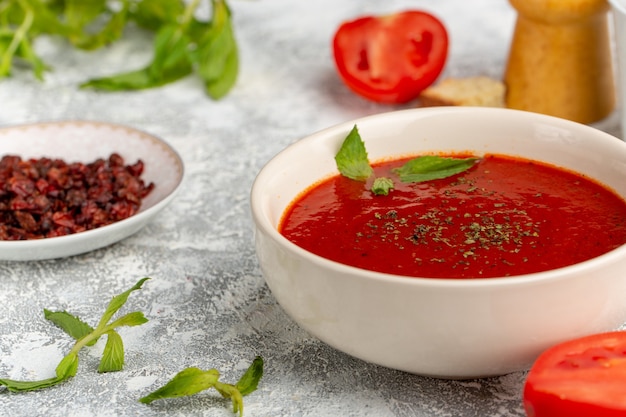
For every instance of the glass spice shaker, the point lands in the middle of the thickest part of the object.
(560, 59)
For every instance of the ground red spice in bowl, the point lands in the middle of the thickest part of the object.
(47, 197)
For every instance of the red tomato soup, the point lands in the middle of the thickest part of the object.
(504, 216)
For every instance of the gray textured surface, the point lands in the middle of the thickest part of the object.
(207, 302)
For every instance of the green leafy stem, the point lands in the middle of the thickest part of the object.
(187, 382)
(193, 380)
(352, 162)
(182, 44)
(85, 335)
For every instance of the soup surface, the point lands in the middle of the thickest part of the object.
(502, 217)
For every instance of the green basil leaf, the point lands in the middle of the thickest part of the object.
(187, 382)
(250, 379)
(72, 325)
(432, 167)
(352, 159)
(382, 186)
(118, 301)
(113, 355)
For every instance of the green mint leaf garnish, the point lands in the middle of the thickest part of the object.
(113, 355)
(193, 380)
(353, 163)
(352, 159)
(73, 326)
(85, 335)
(382, 186)
(117, 302)
(189, 381)
(432, 167)
(131, 319)
(250, 379)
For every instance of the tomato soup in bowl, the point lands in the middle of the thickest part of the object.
(501, 217)
(487, 283)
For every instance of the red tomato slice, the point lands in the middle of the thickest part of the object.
(585, 377)
(391, 59)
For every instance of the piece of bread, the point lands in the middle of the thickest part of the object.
(472, 91)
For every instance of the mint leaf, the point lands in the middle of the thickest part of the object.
(171, 55)
(171, 62)
(19, 386)
(216, 54)
(109, 33)
(432, 167)
(382, 186)
(250, 379)
(131, 319)
(132, 80)
(73, 326)
(113, 355)
(191, 381)
(68, 366)
(352, 159)
(118, 301)
(187, 382)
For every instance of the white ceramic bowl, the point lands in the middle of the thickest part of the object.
(84, 141)
(437, 327)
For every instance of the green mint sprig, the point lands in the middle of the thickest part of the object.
(187, 382)
(432, 167)
(182, 43)
(352, 162)
(193, 380)
(85, 335)
(352, 159)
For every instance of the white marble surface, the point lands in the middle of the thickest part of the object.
(207, 302)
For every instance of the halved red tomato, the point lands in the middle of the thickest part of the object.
(584, 377)
(391, 59)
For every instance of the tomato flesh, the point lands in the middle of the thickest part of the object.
(582, 377)
(391, 59)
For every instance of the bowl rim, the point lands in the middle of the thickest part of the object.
(265, 225)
